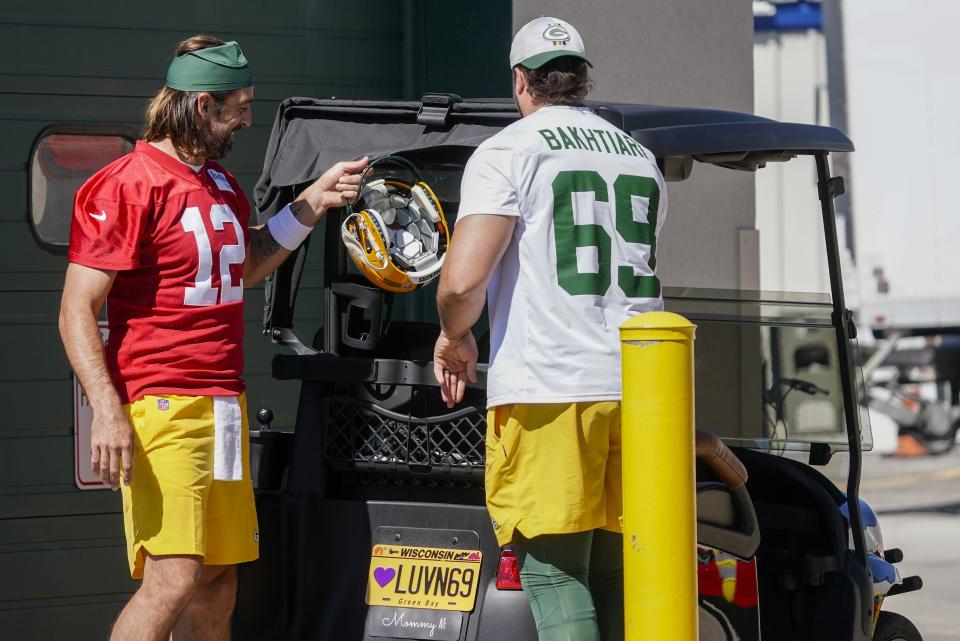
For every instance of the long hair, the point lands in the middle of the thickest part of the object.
(562, 81)
(173, 113)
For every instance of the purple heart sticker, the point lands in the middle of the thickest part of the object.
(384, 576)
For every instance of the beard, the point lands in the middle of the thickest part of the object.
(216, 139)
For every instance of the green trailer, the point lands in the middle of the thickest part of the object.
(74, 80)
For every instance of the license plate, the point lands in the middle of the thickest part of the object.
(415, 577)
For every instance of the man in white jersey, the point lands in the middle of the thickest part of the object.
(558, 220)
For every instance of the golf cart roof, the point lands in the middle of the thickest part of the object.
(310, 134)
(690, 131)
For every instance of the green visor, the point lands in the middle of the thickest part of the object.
(537, 61)
(222, 68)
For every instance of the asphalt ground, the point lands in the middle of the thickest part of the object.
(917, 501)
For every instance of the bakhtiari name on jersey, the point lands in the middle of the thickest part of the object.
(601, 140)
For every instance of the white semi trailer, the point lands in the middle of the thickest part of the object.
(902, 89)
(886, 75)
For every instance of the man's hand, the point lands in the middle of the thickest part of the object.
(335, 188)
(111, 443)
(111, 447)
(454, 363)
(474, 252)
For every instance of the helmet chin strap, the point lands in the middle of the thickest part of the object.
(353, 245)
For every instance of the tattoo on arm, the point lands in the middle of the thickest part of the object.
(263, 245)
(264, 254)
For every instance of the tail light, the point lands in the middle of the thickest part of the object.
(508, 571)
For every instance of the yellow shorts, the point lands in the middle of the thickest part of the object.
(553, 468)
(191, 492)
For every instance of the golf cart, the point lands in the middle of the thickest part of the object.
(372, 518)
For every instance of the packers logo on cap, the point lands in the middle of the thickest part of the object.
(556, 34)
(544, 39)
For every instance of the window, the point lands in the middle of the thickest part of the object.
(767, 372)
(62, 159)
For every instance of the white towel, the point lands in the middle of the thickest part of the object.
(227, 439)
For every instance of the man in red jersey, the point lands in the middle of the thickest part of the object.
(161, 235)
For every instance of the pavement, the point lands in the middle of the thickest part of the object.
(918, 503)
(917, 500)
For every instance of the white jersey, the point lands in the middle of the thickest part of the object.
(590, 202)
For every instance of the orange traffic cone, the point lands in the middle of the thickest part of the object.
(907, 445)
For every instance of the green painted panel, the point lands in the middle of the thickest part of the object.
(17, 109)
(279, 57)
(259, 27)
(28, 280)
(268, 91)
(29, 307)
(40, 355)
(13, 184)
(89, 530)
(296, 17)
(55, 501)
(34, 569)
(19, 252)
(76, 618)
(24, 416)
(45, 463)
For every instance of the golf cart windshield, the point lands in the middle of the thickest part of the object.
(769, 370)
(766, 333)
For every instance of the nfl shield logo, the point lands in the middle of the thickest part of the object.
(163, 404)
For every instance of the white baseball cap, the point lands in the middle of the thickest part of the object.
(543, 39)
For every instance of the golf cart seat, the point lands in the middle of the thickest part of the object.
(726, 519)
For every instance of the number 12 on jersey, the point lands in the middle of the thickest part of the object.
(203, 292)
(570, 236)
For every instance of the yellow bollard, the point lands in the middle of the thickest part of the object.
(659, 500)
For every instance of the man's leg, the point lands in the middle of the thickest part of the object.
(207, 616)
(606, 583)
(553, 570)
(169, 582)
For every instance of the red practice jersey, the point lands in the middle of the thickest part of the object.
(177, 240)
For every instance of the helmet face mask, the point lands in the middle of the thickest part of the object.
(395, 232)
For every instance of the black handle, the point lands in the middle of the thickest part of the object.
(264, 418)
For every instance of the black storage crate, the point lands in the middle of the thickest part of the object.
(363, 436)
(384, 419)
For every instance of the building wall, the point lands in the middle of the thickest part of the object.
(678, 52)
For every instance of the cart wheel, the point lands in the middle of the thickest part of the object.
(895, 627)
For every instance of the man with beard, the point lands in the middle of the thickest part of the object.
(161, 235)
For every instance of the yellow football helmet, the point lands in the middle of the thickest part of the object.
(395, 232)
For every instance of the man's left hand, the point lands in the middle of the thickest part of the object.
(454, 363)
(335, 188)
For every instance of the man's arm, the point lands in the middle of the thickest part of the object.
(476, 248)
(111, 445)
(335, 188)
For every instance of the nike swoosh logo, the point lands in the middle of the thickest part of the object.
(101, 216)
